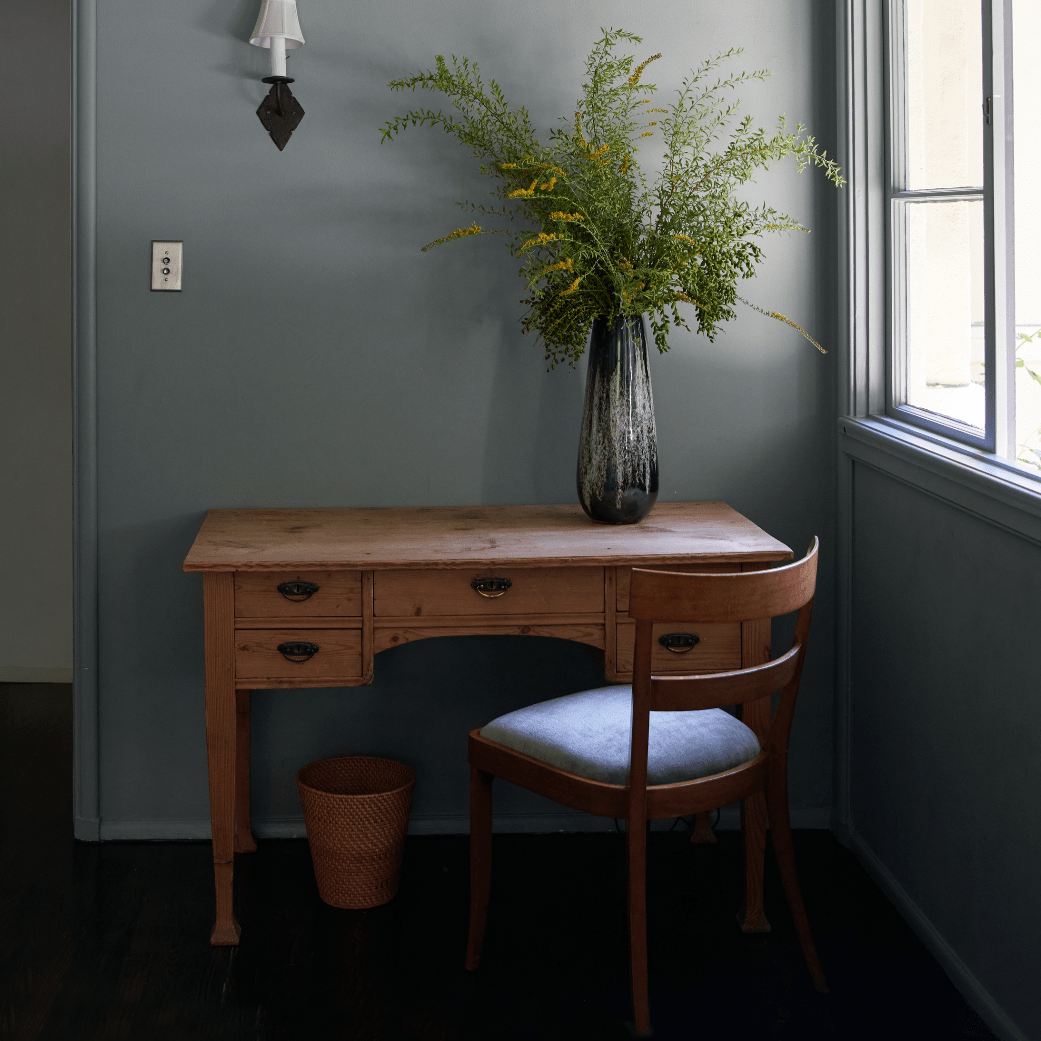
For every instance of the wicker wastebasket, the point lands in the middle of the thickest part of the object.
(356, 813)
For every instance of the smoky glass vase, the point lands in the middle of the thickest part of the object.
(618, 449)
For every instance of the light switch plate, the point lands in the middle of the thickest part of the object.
(167, 258)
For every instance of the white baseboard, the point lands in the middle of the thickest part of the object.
(810, 818)
(454, 824)
(154, 830)
(18, 674)
(840, 829)
(569, 821)
(86, 829)
(960, 974)
(446, 824)
(293, 827)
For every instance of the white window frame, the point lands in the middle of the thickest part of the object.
(873, 426)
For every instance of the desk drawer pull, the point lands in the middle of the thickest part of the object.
(298, 652)
(491, 587)
(297, 591)
(679, 643)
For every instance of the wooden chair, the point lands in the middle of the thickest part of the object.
(582, 752)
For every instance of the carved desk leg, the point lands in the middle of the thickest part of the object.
(755, 649)
(219, 607)
(243, 832)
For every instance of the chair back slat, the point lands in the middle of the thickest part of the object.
(676, 597)
(714, 690)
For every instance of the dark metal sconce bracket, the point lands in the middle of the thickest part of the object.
(280, 112)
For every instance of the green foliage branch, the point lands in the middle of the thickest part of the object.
(592, 236)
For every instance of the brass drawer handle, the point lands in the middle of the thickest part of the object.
(679, 643)
(297, 591)
(298, 652)
(491, 587)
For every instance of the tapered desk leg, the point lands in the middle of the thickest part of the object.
(755, 650)
(218, 594)
(243, 833)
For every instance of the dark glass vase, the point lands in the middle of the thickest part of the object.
(618, 449)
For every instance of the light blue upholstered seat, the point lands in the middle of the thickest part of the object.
(588, 734)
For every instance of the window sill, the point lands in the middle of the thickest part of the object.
(964, 477)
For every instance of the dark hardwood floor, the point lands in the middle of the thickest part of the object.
(110, 941)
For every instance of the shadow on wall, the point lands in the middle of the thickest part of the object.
(233, 22)
(425, 698)
(234, 19)
(531, 439)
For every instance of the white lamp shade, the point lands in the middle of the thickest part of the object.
(278, 19)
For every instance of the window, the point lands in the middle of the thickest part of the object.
(964, 212)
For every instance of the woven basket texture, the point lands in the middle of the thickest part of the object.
(356, 813)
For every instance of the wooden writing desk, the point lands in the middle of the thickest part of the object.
(358, 581)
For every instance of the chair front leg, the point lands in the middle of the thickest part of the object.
(480, 860)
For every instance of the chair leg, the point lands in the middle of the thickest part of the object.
(752, 917)
(780, 826)
(480, 860)
(636, 843)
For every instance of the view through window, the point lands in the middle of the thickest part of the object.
(944, 259)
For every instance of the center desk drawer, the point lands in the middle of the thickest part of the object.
(718, 648)
(337, 594)
(554, 591)
(257, 656)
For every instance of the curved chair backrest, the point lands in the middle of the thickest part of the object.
(676, 597)
(659, 596)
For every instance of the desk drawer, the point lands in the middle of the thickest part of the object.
(257, 656)
(718, 648)
(623, 577)
(532, 591)
(338, 594)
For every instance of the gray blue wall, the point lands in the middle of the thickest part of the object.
(945, 777)
(317, 357)
(35, 369)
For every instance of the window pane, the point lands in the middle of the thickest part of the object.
(945, 314)
(945, 93)
(1026, 29)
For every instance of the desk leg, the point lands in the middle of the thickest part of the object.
(755, 649)
(219, 601)
(243, 832)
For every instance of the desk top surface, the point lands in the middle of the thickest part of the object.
(459, 536)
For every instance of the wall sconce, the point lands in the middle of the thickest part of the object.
(278, 28)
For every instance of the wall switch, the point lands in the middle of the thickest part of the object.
(166, 265)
